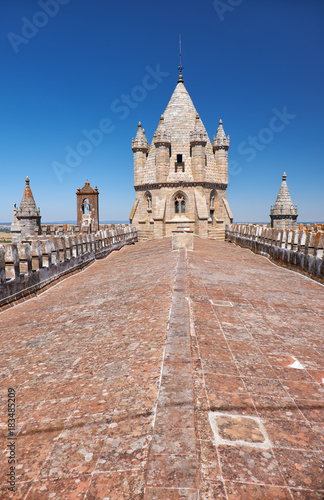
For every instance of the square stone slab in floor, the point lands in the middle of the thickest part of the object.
(221, 303)
(238, 430)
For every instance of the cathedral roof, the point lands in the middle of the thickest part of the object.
(27, 207)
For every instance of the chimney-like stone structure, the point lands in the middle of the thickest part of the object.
(139, 147)
(283, 213)
(26, 222)
(220, 149)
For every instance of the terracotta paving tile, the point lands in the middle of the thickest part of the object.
(170, 494)
(303, 469)
(36, 441)
(284, 374)
(203, 428)
(302, 494)
(304, 390)
(241, 404)
(217, 367)
(118, 485)
(212, 489)
(65, 488)
(267, 387)
(208, 461)
(175, 471)
(126, 444)
(317, 375)
(174, 431)
(248, 464)
(245, 491)
(293, 434)
(219, 383)
(76, 449)
(273, 407)
(312, 410)
(20, 491)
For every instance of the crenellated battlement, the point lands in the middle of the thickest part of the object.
(26, 268)
(300, 249)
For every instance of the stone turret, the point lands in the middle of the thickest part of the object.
(140, 148)
(27, 219)
(220, 149)
(184, 179)
(283, 213)
(198, 141)
(162, 143)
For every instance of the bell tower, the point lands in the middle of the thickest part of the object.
(88, 208)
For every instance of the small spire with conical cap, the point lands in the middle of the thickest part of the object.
(140, 141)
(283, 213)
(27, 204)
(221, 141)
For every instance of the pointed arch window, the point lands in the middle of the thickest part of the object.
(180, 204)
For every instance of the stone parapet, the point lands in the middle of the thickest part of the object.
(27, 268)
(298, 249)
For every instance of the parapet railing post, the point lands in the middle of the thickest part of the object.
(62, 248)
(2, 267)
(50, 257)
(12, 262)
(28, 255)
(68, 247)
(319, 244)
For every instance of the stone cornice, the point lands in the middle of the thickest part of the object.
(182, 184)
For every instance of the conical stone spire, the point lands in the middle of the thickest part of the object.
(26, 219)
(221, 141)
(27, 205)
(199, 132)
(283, 213)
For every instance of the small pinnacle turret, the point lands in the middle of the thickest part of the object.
(140, 141)
(221, 141)
(26, 219)
(283, 213)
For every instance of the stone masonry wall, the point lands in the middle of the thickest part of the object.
(301, 250)
(27, 268)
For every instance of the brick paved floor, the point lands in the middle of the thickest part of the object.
(164, 375)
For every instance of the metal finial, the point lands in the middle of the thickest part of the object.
(180, 67)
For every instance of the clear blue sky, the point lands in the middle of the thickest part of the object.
(247, 62)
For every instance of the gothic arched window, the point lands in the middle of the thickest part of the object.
(180, 204)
